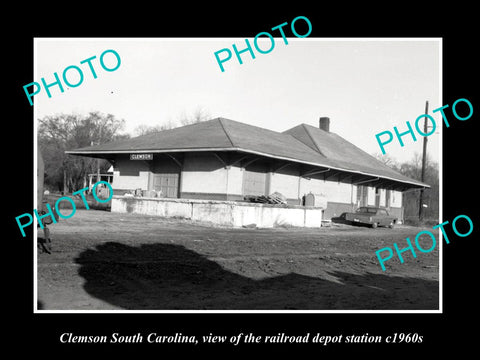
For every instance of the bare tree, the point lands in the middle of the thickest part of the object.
(386, 160)
(70, 131)
(199, 115)
(143, 129)
(411, 199)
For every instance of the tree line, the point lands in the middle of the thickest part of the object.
(411, 198)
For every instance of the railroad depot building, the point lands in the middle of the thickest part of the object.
(224, 161)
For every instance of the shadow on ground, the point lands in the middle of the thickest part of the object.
(166, 276)
(341, 220)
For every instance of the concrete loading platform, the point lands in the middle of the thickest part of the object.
(230, 213)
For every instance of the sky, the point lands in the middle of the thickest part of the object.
(365, 86)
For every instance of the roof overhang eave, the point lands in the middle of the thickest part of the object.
(105, 153)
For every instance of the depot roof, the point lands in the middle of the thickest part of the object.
(303, 144)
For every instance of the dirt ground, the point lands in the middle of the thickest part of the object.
(108, 261)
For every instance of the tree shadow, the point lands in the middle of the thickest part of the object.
(167, 276)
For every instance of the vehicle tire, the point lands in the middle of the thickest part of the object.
(374, 225)
(391, 225)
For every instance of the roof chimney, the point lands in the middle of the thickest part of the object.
(325, 124)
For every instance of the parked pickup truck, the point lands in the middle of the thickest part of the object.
(373, 216)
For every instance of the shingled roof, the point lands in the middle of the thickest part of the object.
(303, 144)
(344, 154)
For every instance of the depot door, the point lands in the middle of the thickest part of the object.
(165, 177)
(255, 180)
(167, 184)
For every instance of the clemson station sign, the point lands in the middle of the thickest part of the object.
(141, 156)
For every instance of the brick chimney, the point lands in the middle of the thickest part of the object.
(325, 123)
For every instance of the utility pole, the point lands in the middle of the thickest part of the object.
(424, 161)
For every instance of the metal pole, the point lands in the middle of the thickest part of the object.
(98, 170)
(424, 161)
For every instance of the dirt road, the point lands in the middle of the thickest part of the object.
(102, 260)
